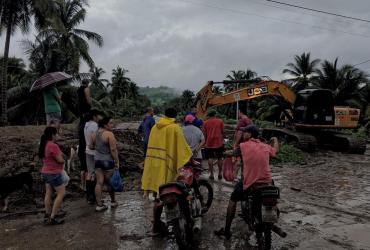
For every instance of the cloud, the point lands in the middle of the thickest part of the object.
(184, 43)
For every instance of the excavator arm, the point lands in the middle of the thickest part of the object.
(206, 97)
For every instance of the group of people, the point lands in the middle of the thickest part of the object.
(167, 147)
(198, 135)
(97, 152)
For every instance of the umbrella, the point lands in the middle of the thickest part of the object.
(49, 79)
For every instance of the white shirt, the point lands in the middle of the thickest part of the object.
(91, 127)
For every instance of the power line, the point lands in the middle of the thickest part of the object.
(272, 18)
(362, 62)
(320, 11)
(290, 10)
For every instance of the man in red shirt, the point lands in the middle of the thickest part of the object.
(213, 129)
(243, 122)
(255, 155)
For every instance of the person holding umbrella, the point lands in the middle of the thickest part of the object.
(52, 100)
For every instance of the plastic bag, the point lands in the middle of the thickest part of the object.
(115, 182)
(228, 169)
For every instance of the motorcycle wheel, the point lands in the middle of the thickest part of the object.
(206, 194)
(264, 238)
(183, 231)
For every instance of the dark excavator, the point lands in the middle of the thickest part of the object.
(312, 118)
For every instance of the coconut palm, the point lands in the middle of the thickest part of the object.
(44, 56)
(62, 29)
(302, 69)
(345, 82)
(120, 84)
(239, 75)
(13, 14)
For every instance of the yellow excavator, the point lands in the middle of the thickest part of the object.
(314, 121)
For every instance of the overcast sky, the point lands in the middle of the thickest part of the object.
(184, 43)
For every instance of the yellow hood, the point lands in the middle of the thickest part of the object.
(167, 152)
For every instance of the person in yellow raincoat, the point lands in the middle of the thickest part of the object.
(167, 152)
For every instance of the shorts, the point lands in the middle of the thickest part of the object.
(214, 153)
(90, 163)
(54, 117)
(104, 165)
(238, 193)
(55, 180)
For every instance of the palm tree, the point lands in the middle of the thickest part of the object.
(13, 14)
(97, 81)
(187, 99)
(301, 70)
(133, 90)
(345, 82)
(44, 56)
(120, 84)
(239, 75)
(99, 85)
(62, 29)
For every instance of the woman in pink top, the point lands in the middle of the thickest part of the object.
(52, 173)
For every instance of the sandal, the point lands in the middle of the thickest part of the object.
(101, 208)
(56, 221)
(113, 204)
(221, 232)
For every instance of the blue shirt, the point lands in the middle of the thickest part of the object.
(145, 127)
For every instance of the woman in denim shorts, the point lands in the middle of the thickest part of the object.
(106, 160)
(53, 174)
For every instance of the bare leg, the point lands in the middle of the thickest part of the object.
(107, 176)
(210, 167)
(219, 163)
(61, 190)
(83, 180)
(99, 186)
(230, 215)
(48, 199)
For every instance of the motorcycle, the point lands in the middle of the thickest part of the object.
(185, 202)
(260, 212)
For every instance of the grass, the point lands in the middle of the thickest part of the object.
(288, 153)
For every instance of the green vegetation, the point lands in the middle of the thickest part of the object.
(61, 44)
(158, 96)
(288, 153)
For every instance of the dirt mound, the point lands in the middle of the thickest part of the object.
(20, 145)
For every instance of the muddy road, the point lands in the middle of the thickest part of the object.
(325, 205)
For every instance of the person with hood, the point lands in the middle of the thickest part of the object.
(167, 153)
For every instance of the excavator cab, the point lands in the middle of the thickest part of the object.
(314, 107)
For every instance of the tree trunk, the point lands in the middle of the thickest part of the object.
(4, 87)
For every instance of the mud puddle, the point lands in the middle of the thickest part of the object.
(324, 205)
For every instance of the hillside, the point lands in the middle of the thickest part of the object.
(159, 95)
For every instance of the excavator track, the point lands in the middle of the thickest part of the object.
(310, 141)
(302, 141)
(341, 142)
